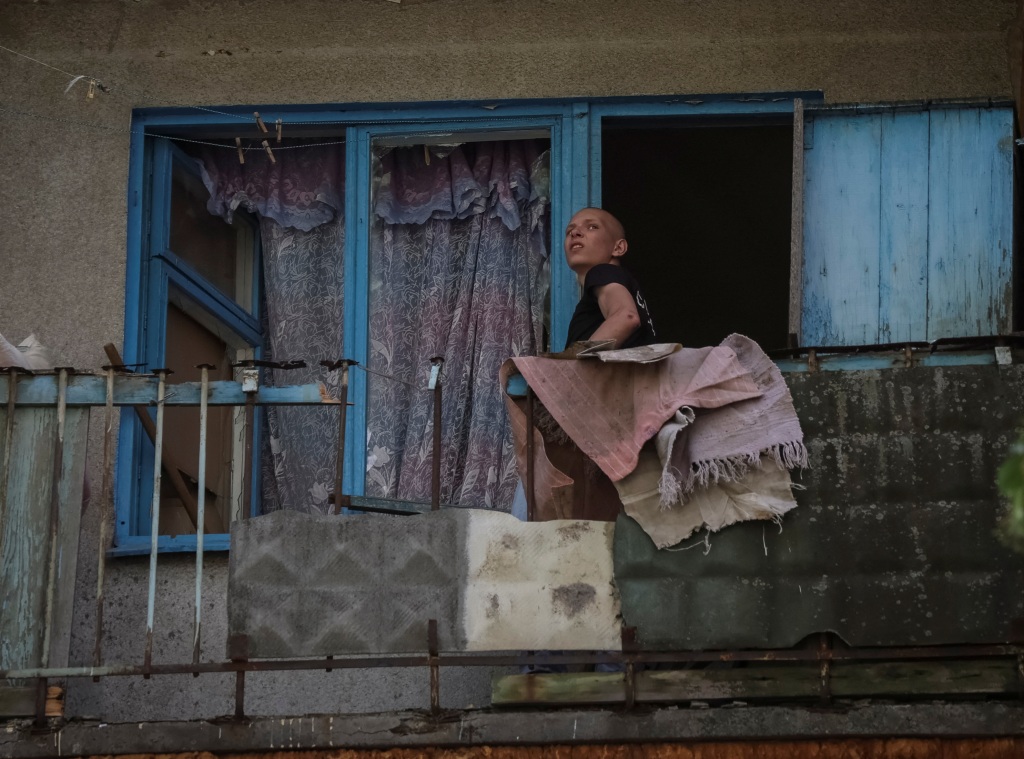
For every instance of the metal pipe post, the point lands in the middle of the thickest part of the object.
(154, 514)
(58, 468)
(629, 651)
(339, 464)
(204, 390)
(339, 459)
(435, 478)
(240, 694)
(531, 514)
(434, 666)
(51, 566)
(106, 510)
(248, 463)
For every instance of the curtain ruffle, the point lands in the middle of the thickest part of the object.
(508, 180)
(302, 190)
(505, 180)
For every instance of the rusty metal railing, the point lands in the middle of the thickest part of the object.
(117, 387)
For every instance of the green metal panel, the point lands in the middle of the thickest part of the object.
(893, 542)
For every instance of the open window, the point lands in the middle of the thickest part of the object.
(201, 307)
(706, 206)
(771, 216)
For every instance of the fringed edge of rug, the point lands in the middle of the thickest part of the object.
(670, 488)
(674, 487)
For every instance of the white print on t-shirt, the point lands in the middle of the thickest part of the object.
(642, 305)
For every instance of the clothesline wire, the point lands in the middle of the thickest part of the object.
(36, 60)
(78, 123)
(390, 377)
(116, 89)
(4, 108)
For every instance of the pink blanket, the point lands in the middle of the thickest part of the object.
(611, 409)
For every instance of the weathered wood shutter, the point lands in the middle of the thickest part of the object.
(907, 224)
(30, 486)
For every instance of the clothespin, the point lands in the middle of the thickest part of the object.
(266, 146)
(259, 122)
(280, 125)
(426, 155)
(241, 155)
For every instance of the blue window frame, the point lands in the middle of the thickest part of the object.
(156, 272)
(210, 301)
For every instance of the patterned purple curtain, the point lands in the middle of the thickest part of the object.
(457, 268)
(302, 190)
(300, 204)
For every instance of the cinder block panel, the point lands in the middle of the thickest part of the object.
(541, 585)
(303, 585)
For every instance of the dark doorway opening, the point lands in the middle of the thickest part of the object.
(707, 215)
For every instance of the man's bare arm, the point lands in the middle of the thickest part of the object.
(620, 315)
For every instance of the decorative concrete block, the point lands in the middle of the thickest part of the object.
(305, 585)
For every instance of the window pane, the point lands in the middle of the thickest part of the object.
(190, 342)
(221, 253)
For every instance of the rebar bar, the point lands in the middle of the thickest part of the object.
(154, 514)
(435, 476)
(914, 653)
(51, 564)
(58, 470)
(531, 507)
(201, 509)
(106, 511)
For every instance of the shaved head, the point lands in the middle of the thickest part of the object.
(593, 236)
(614, 225)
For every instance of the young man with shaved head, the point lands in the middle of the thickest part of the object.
(611, 306)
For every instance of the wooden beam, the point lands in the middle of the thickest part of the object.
(132, 390)
(848, 680)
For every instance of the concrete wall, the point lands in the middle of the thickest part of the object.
(64, 193)
(63, 198)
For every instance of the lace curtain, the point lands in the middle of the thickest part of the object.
(300, 204)
(457, 268)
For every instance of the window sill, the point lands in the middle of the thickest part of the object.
(139, 545)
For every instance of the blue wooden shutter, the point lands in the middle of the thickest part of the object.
(907, 225)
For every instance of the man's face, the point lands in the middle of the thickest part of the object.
(592, 237)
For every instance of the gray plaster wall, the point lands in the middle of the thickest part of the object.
(63, 200)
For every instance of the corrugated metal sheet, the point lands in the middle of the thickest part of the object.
(893, 542)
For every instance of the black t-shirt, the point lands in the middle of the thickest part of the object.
(588, 317)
